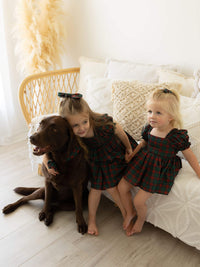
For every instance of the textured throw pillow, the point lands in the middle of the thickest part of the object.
(129, 100)
(90, 66)
(129, 71)
(99, 95)
(175, 77)
(190, 110)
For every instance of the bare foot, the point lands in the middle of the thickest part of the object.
(92, 228)
(137, 227)
(128, 219)
(129, 228)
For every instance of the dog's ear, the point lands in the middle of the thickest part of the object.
(65, 120)
(68, 127)
(69, 131)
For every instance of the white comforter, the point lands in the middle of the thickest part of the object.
(177, 213)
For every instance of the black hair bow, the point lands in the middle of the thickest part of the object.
(167, 91)
(74, 96)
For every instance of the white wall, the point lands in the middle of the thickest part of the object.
(149, 31)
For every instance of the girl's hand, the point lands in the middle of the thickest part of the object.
(52, 171)
(128, 155)
(52, 168)
(49, 164)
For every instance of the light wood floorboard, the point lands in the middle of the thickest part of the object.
(27, 242)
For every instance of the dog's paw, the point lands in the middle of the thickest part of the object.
(41, 216)
(8, 209)
(49, 219)
(46, 217)
(82, 228)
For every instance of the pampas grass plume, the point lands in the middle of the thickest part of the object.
(40, 35)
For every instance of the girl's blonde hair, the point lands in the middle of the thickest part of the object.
(170, 102)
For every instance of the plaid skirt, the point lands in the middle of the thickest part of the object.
(155, 167)
(106, 155)
(107, 174)
(108, 163)
(153, 174)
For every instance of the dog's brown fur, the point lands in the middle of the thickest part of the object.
(56, 138)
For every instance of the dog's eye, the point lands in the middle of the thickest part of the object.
(55, 130)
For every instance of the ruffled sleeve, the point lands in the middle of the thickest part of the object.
(145, 131)
(105, 145)
(108, 129)
(179, 139)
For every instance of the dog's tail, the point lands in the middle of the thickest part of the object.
(25, 191)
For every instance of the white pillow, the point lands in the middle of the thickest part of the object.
(129, 109)
(190, 110)
(98, 95)
(129, 100)
(175, 77)
(90, 66)
(129, 71)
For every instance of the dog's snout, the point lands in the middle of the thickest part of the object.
(33, 138)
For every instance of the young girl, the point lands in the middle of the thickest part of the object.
(109, 147)
(156, 165)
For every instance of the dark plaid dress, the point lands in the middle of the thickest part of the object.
(155, 167)
(106, 156)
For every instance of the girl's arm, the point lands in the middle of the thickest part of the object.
(192, 159)
(142, 144)
(124, 138)
(45, 160)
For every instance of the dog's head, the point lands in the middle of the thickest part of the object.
(53, 133)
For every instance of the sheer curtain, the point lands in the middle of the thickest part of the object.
(12, 124)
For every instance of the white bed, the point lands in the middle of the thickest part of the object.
(119, 89)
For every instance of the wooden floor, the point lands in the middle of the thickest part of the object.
(25, 241)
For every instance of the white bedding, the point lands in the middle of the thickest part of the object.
(177, 213)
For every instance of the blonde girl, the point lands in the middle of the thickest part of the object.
(156, 165)
(109, 150)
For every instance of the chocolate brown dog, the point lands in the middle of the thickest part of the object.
(65, 190)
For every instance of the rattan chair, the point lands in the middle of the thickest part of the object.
(38, 92)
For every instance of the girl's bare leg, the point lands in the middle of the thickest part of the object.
(125, 194)
(93, 203)
(116, 197)
(141, 208)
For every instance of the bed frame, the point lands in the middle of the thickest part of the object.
(38, 92)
